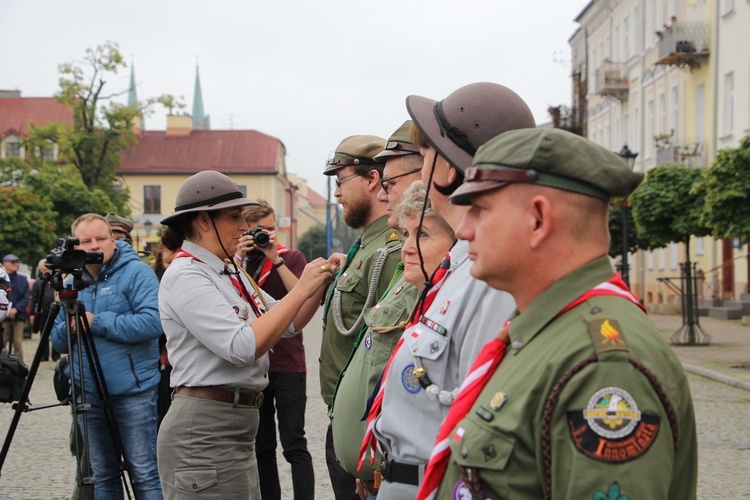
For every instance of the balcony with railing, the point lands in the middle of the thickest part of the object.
(612, 81)
(684, 44)
(567, 118)
(687, 151)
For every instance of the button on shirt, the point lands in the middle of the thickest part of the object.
(210, 339)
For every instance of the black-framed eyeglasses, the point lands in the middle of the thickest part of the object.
(388, 183)
(344, 180)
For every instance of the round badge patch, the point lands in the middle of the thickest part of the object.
(461, 491)
(612, 413)
(409, 381)
(368, 340)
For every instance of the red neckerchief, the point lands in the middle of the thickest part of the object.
(267, 266)
(235, 281)
(476, 379)
(369, 441)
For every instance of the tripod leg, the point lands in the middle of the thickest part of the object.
(22, 404)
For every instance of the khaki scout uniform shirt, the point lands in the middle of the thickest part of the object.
(594, 454)
(354, 284)
(465, 314)
(358, 379)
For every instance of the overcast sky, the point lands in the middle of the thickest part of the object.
(309, 72)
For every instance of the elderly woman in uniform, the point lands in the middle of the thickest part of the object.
(219, 327)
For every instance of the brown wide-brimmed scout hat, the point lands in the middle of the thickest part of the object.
(355, 150)
(399, 144)
(467, 118)
(548, 157)
(207, 190)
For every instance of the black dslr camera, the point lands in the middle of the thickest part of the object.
(260, 237)
(67, 258)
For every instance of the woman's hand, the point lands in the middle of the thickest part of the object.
(337, 260)
(318, 272)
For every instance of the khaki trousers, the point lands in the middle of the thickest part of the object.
(206, 450)
(14, 328)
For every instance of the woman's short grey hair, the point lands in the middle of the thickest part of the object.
(411, 204)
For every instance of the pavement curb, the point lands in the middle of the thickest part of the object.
(718, 377)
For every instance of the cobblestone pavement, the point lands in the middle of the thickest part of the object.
(39, 465)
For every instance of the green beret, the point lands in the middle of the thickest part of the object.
(119, 223)
(355, 150)
(399, 143)
(548, 157)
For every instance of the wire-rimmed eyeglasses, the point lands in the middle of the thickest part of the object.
(340, 182)
(388, 183)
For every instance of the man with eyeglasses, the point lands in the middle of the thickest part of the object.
(403, 164)
(362, 279)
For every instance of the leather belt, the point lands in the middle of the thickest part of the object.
(244, 398)
(399, 472)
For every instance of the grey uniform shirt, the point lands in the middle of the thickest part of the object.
(208, 325)
(465, 314)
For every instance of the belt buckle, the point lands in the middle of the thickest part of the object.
(259, 399)
(384, 466)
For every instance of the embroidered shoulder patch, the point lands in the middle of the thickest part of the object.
(611, 428)
(606, 335)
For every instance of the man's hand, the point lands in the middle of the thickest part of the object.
(89, 319)
(271, 251)
(12, 314)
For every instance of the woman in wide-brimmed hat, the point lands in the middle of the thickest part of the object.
(219, 326)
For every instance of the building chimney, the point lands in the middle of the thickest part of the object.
(179, 124)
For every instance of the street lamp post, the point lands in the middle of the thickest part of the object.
(148, 225)
(629, 158)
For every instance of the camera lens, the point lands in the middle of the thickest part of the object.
(261, 239)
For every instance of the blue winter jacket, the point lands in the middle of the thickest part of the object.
(126, 325)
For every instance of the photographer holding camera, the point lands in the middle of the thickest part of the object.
(276, 270)
(121, 304)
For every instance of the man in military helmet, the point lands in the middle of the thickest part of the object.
(583, 398)
(363, 278)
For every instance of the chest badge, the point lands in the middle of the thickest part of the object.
(398, 290)
(368, 341)
(409, 381)
(498, 400)
(445, 306)
(358, 264)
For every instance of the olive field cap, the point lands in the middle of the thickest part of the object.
(466, 119)
(548, 157)
(117, 223)
(355, 150)
(10, 258)
(207, 190)
(399, 144)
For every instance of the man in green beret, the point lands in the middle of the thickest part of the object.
(578, 396)
(362, 279)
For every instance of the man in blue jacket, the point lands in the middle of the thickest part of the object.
(121, 304)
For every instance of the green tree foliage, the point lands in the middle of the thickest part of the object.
(667, 207)
(28, 224)
(313, 243)
(102, 128)
(60, 185)
(726, 186)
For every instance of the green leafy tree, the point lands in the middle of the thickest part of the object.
(313, 243)
(726, 186)
(28, 224)
(667, 207)
(61, 185)
(102, 128)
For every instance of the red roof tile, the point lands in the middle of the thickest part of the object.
(314, 198)
(17, 112)
(227, 151)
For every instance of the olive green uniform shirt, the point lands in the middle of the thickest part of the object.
(354, 284)
(609, 431)
(358, 379)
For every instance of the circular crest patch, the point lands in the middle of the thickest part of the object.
(612, 413)
(368, 340)
(461, 491)
(409, 381)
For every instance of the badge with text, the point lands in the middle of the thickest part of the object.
(611, 428)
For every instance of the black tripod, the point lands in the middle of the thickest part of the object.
(77, 331)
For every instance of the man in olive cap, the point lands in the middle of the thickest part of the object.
(580, 397)
(121, 227)
(363, 278)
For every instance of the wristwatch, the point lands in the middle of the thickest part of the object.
(279, 264)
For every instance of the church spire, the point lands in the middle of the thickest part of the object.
(201, 121)
(139, 123)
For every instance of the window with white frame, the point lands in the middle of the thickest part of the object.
(616, 42)
(12, 148)
(649, 128)
(674, 105)
(700, 110)
(662, 257)
(661, 116)
(673, 250)
(728, 122)
(649, 41)
(700, 246)
(650, 260)
(632, 43)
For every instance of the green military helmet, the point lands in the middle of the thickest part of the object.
(399, 143)
(355, 150)
(548, 157)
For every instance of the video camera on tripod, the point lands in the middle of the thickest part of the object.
(66, 259)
